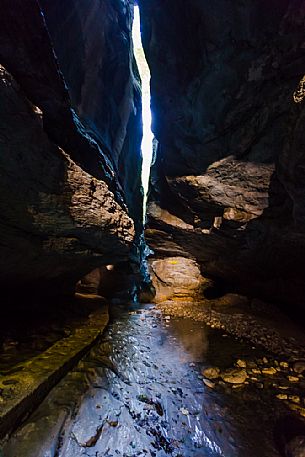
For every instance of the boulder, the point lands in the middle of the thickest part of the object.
(177, 278)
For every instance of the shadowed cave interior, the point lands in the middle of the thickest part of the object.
(152, 230)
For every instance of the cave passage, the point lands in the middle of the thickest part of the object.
(147, 141)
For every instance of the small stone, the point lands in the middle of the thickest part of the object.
(241, 363)
(297, 408)
(299, 366)
(167, 318)
(293, 379)
(294, 398)
(211, 373)
(284, 365)
(113, 423)
(282, 396)
(265, 360)
(184, 411)
(256, 371)
(234, 376)
(238, 386)
(192, 364)
(269, 371)
(209, 383)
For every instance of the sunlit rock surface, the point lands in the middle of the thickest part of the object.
(227, 185)
(70, 141)
(176, 278)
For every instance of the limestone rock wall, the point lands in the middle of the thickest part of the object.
(227, 186)
(69, 142)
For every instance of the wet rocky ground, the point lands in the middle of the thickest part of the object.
(163, 386)
(259, 322)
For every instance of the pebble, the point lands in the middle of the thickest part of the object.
(299, 366)
(241, 363)
(294, 398)
(184, 411)
(269, 371)
(282, 396)
(234, 376)
(256, 371)
(211, 373)
(209, 383)
(297, 408)
(284, 365)
(293, 379)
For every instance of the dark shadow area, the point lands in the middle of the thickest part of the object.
(28, 329)
(289, 436)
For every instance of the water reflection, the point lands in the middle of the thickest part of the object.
(192, 336)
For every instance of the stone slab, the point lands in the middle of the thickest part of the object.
(21, 392)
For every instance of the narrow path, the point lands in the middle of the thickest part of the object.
(140, 393)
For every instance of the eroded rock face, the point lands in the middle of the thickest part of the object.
(66, 186)
(92, 41)
(176, 278)
(227, 186)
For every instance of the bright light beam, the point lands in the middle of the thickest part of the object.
(147, 141)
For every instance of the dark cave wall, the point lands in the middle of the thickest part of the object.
(92, 41)
(68, 191)
(227, 187)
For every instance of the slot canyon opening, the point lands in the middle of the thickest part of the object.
(104, 279)
(148, 136)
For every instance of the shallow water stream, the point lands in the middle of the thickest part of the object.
(140, 393)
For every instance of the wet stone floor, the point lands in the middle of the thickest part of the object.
(140, 392)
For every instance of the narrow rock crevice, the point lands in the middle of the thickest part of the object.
(152, 152)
